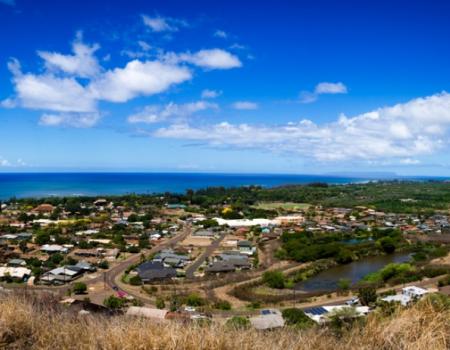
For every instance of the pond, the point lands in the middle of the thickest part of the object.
(327, 280)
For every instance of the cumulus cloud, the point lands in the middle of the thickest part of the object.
(163, 24)
(210, 93)
(208, 59)
(138, 78)
(82, 63)
(156, 113)
(245, 105)
(321, 89)
(403, 131)
(76, 120)
(46, 91)
(220, 34)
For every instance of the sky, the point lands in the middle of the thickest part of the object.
(307, 87)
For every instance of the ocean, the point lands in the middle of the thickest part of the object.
(22, 185)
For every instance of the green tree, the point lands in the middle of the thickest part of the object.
(160, 304)
(194, 299)
(294, 316)
(79, 288)
(274, 279)
(367, 295)
(113, 302)
(387, 245)
(238, 322)
(344, 284)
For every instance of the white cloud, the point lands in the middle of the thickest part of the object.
(4, 162)
(211, 93)
(322, 89)
(82, 63)
(144, 45)
(156, 113)
(163, 24)
(77, 120)
(138, 79)
(245, 105)
(49, 92)
(409, 161)
(406, 130)
(220, 34)
(209, 59)
(330, 88)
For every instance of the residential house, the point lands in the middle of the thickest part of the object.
(155, 271)
(268, 319)
(246, 247)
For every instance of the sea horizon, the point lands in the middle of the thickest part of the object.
(53, 184)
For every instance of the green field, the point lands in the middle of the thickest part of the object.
(282, 205)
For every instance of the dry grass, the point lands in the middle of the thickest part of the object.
(32, 324)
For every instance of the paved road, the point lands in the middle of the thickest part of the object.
(109, 276)
(208, 251)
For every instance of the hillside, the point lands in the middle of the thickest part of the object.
(26, 324)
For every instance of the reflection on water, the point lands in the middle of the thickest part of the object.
(355, 271)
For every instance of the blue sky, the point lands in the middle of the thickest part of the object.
(225, 86)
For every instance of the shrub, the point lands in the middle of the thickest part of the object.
(79, 288)
(367, 295)
(274, 279)
(194, 299)
(238, 322)
(294, 316)
(160, 304)
(135, 280)
(222, 305)
(113, 302)
(103, 264)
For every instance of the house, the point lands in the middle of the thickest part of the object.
(15, 273)
(54, 248)
(409, 294)
(204, 233)
(17, 263)
(268, 319)
(220, 267)
(246, 247)
(155, 271)
(61, 275)
(85, 266)
(44, 209)
(321, 314)
(154, 314)
(25, 236)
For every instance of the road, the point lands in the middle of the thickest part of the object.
(110, 276)
(190, 270)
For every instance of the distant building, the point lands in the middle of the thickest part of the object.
(155, 271)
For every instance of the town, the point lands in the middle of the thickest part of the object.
(208, 257)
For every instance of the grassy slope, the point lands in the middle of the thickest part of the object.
(34, 325)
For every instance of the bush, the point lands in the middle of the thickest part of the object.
(194, 299)
(79, 288)
(222, 305)
(294, 316)
(238, 322)
(367, 295)
(274, 279)
(387, 245)
(160, 304)
(113, 302)
(103, 264)
(135, 280)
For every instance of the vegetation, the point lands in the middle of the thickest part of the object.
(274, 279)
(296, 317)
(79, 288)
(39, 324)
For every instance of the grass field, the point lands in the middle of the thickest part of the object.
(282, 205)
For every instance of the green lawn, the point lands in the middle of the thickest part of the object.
(282, 205)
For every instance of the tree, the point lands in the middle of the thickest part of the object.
(135, 280)
(23, 246)
(160, 304)
(367, 295)
(274, 279)
(42, 238)
(103, 264)
(238, 322)
(222, 305)
(344, 284)
(294, 316)
(113, 302)
(387, 245)
(79, 288)
(194, 299)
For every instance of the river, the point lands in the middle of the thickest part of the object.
(327, 280)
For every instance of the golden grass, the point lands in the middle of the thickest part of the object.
(32, 324)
